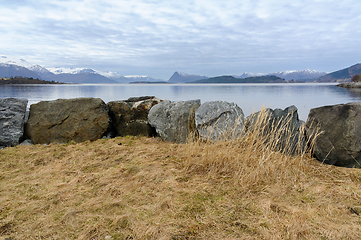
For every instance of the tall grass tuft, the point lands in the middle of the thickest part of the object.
(267, 150)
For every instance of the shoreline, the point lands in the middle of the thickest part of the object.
(350, 85)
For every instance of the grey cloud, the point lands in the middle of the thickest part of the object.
(206, 37)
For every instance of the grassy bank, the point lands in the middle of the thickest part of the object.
(144, 188)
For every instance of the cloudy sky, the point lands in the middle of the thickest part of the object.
(205, 37)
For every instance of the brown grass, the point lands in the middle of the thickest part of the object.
(143, 188)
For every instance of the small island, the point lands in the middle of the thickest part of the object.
(25, 80)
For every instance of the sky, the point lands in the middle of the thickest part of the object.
(203, 37)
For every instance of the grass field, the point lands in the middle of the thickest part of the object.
(145, 188)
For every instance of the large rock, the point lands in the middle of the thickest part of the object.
(63, 120)
(174, 121)
(339, 134)
(12, 115)
(130, 117)
(219, 120)
(282, 129)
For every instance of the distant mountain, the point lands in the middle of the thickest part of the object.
(305, 74)
(82, 78)
(145, 79)
(231, 79)
(248, 74)
(76, 75)
(341, 75)
(178, 77)
(10, 67)
(10, 70)
(13, 67)
(14, 61)
(39, 69)
(114, 77)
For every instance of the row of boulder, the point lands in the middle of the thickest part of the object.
(336, 129)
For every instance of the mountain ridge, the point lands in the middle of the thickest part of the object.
(19, 67)
(344, 74)
(231, 79)
(10, 67)
(179, 77)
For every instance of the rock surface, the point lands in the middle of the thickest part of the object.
(339, 128)
(12, 115)
(130, 117)
(174, 121)
(281, 128)
(65, 120)
(350, 85)
(27, 142)
(219, 120)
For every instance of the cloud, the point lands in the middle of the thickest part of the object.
(206, 37)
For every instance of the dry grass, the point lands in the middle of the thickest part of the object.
(143, 188)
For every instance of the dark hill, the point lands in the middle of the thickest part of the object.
(184, 78)
(231, 79)
(343, 74)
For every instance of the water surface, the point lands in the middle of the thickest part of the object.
(250, 97)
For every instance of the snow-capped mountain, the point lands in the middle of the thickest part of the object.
(19, 67)
(13, 61)
(111, 75)
(38, 69)
(305, 74)
(10, 67)
(248, 74)
(137, 78)
(14, 67)
(63, 70)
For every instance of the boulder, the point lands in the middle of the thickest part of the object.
(65, 120)
(339, 134)
(12, 115)
(282, 129)
(219, 120)
(174, 121)
(130, 117)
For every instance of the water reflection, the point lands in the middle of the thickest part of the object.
(250, 97)
(354, 92)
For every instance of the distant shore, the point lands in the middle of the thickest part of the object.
(350, 85)
(21, 80)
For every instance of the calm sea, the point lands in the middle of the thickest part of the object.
(250, 97)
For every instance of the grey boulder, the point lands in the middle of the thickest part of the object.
(64, 120)
(174, 121)
(130, 117)
(337, 132)
(219, 120)
(12, 115)
(27, 142)
(281, 129)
